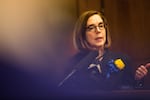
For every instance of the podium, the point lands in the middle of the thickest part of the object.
(108, 95)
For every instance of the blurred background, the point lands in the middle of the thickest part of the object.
(36, 38)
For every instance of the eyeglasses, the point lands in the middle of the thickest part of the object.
(93, 28)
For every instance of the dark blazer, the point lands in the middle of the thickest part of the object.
(108, 78)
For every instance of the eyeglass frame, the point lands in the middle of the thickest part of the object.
(93, 28)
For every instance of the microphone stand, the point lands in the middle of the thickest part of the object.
(67, 77)
(84, 62)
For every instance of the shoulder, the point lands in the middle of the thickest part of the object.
(75, 59)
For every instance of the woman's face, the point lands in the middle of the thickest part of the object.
(95, 31)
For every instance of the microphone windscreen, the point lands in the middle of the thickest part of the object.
(119, 64)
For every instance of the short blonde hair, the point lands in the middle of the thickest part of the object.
(79, 38)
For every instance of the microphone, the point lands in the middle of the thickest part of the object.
(83, 63)
(119, 64)
(115, 66)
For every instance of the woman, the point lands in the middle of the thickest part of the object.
(95, 66)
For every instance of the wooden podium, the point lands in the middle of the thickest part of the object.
(109, 95)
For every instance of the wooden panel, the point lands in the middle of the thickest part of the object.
(129, 27)
(83, 5)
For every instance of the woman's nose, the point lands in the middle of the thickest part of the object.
(98, 29)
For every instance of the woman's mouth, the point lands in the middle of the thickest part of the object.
(98, 38)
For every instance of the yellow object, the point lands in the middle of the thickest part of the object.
(119, 64)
